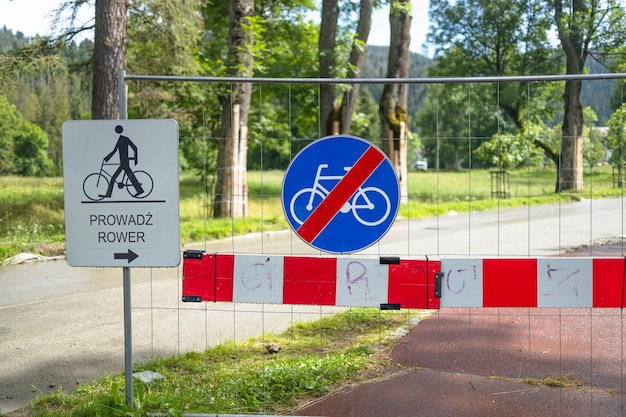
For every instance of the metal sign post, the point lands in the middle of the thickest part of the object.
(122, 200)
(128, 339)
(121, 193)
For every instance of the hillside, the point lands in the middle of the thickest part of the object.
(375, 66)
(595, 94)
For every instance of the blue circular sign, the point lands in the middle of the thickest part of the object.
(340, 194)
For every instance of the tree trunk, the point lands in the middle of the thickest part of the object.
(327, 63)
(357, 57)
(109, 56)
(571, 167)
(393, 101)
(231, 193)
(572, 30)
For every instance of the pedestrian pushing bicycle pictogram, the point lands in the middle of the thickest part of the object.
(99, 185)
(362, 204)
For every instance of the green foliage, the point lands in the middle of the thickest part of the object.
(23, 145)
(617, 135)
(30, 154)
(285, 112)
(9, 125)
(506, 151)
(39, 79)
(50, 81)
(463, 117)
(400, 7)
(497, 38)
(595, 150)
(365, 124)
(594, 94)
(164, 37)
(10, 41)
(503, 37)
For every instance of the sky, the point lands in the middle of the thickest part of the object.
(34, 17)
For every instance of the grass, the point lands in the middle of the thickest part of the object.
(567, 381)
(315, 358)
(31, 213)
(32, 218)
(264, 209)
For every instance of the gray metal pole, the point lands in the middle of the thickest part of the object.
(429, 80)
(121, 94)
(128, 321)
(128, 339)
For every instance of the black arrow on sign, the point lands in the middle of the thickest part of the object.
(130, 255)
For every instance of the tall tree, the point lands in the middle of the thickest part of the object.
(498, 38)
(342, 48)
(582, 26)
(392, 110)
(231, 194)
(357, 57)
(109, 56)
(164, 36)
(328, 62)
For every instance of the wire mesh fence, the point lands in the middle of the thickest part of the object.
(477, 186)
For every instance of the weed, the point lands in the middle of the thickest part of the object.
(567, 381)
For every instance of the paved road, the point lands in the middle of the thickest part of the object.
(497, 362)
(545, 230)
(481, 362)
(60, 325)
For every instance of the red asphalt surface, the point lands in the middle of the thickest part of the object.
(481, 362)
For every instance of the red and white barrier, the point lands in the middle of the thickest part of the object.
(309, 280)
(528, 282)
(406, 283)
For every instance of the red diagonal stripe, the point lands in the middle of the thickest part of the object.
(329, 207)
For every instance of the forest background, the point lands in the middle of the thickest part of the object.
(47, 80)
(39, 94)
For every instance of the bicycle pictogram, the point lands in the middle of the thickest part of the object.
(138, 183)
(370, 206)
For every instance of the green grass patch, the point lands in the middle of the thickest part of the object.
(31, 213)
(32, 218)
(435, 193)
(315, 357)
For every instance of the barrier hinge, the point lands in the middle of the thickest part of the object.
(193, 254)
(438, 279)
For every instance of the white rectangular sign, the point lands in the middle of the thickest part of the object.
(121, 193)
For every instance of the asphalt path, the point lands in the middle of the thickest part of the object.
(60, 326)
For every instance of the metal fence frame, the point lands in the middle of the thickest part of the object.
(123, 78)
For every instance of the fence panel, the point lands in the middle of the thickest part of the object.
(498, 316)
